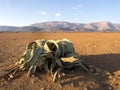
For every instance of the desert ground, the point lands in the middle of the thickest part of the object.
(101, 50)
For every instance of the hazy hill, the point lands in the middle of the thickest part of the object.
(54, 26)
(7, 28)
(102, 26)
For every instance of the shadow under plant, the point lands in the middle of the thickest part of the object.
(105, 62)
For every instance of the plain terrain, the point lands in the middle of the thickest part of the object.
(99, 49)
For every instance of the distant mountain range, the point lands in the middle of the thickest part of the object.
(62, 26)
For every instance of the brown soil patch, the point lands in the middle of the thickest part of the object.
(99, 49)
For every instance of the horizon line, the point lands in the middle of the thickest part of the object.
(60, 21)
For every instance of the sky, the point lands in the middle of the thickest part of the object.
(26, 12)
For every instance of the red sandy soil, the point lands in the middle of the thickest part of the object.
(99, 49)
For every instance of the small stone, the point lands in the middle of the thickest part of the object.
(42, 89)
(32, 75)
(110, 77)
(63, 74)
(11, 76)
(109, 88)
(80, 84)
(107, 72)
(72, 84)
(84, 88)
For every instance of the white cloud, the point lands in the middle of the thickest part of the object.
(44, 13)
(77, 7)
(58, 14)
(41, 12)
